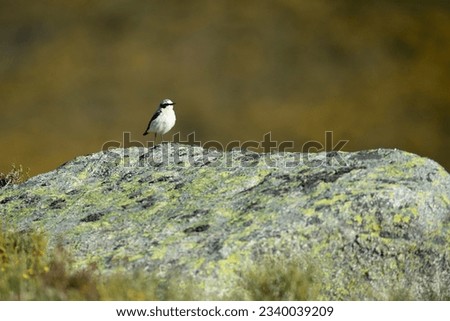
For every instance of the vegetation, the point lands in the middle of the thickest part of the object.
(15, 176)
(277, 280)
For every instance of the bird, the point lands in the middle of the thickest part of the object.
(162, 120)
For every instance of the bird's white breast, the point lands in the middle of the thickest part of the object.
(164, 122)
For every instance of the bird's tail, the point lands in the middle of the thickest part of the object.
(146, 133)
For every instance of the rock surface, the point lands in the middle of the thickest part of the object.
(367, 219)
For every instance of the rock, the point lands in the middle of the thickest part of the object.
(369, 220)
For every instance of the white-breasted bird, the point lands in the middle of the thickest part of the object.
(163, 119)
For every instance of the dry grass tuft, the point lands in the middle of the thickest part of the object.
(15, 176)
(279, 279)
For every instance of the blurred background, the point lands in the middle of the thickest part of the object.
(75, 74)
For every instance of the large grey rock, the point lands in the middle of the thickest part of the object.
(368, 220)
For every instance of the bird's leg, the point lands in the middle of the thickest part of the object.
(162, 138)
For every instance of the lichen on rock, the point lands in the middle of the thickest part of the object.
(369, 220)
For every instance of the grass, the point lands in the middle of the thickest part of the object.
(15, 176)
(280, 280)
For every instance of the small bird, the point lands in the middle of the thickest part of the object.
(163, 119)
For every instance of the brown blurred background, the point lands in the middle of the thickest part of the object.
(75, 74)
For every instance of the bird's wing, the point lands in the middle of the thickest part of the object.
(156, 114)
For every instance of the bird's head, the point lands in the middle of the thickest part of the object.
(166, 102)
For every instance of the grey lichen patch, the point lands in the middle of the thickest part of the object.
(367, 219)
